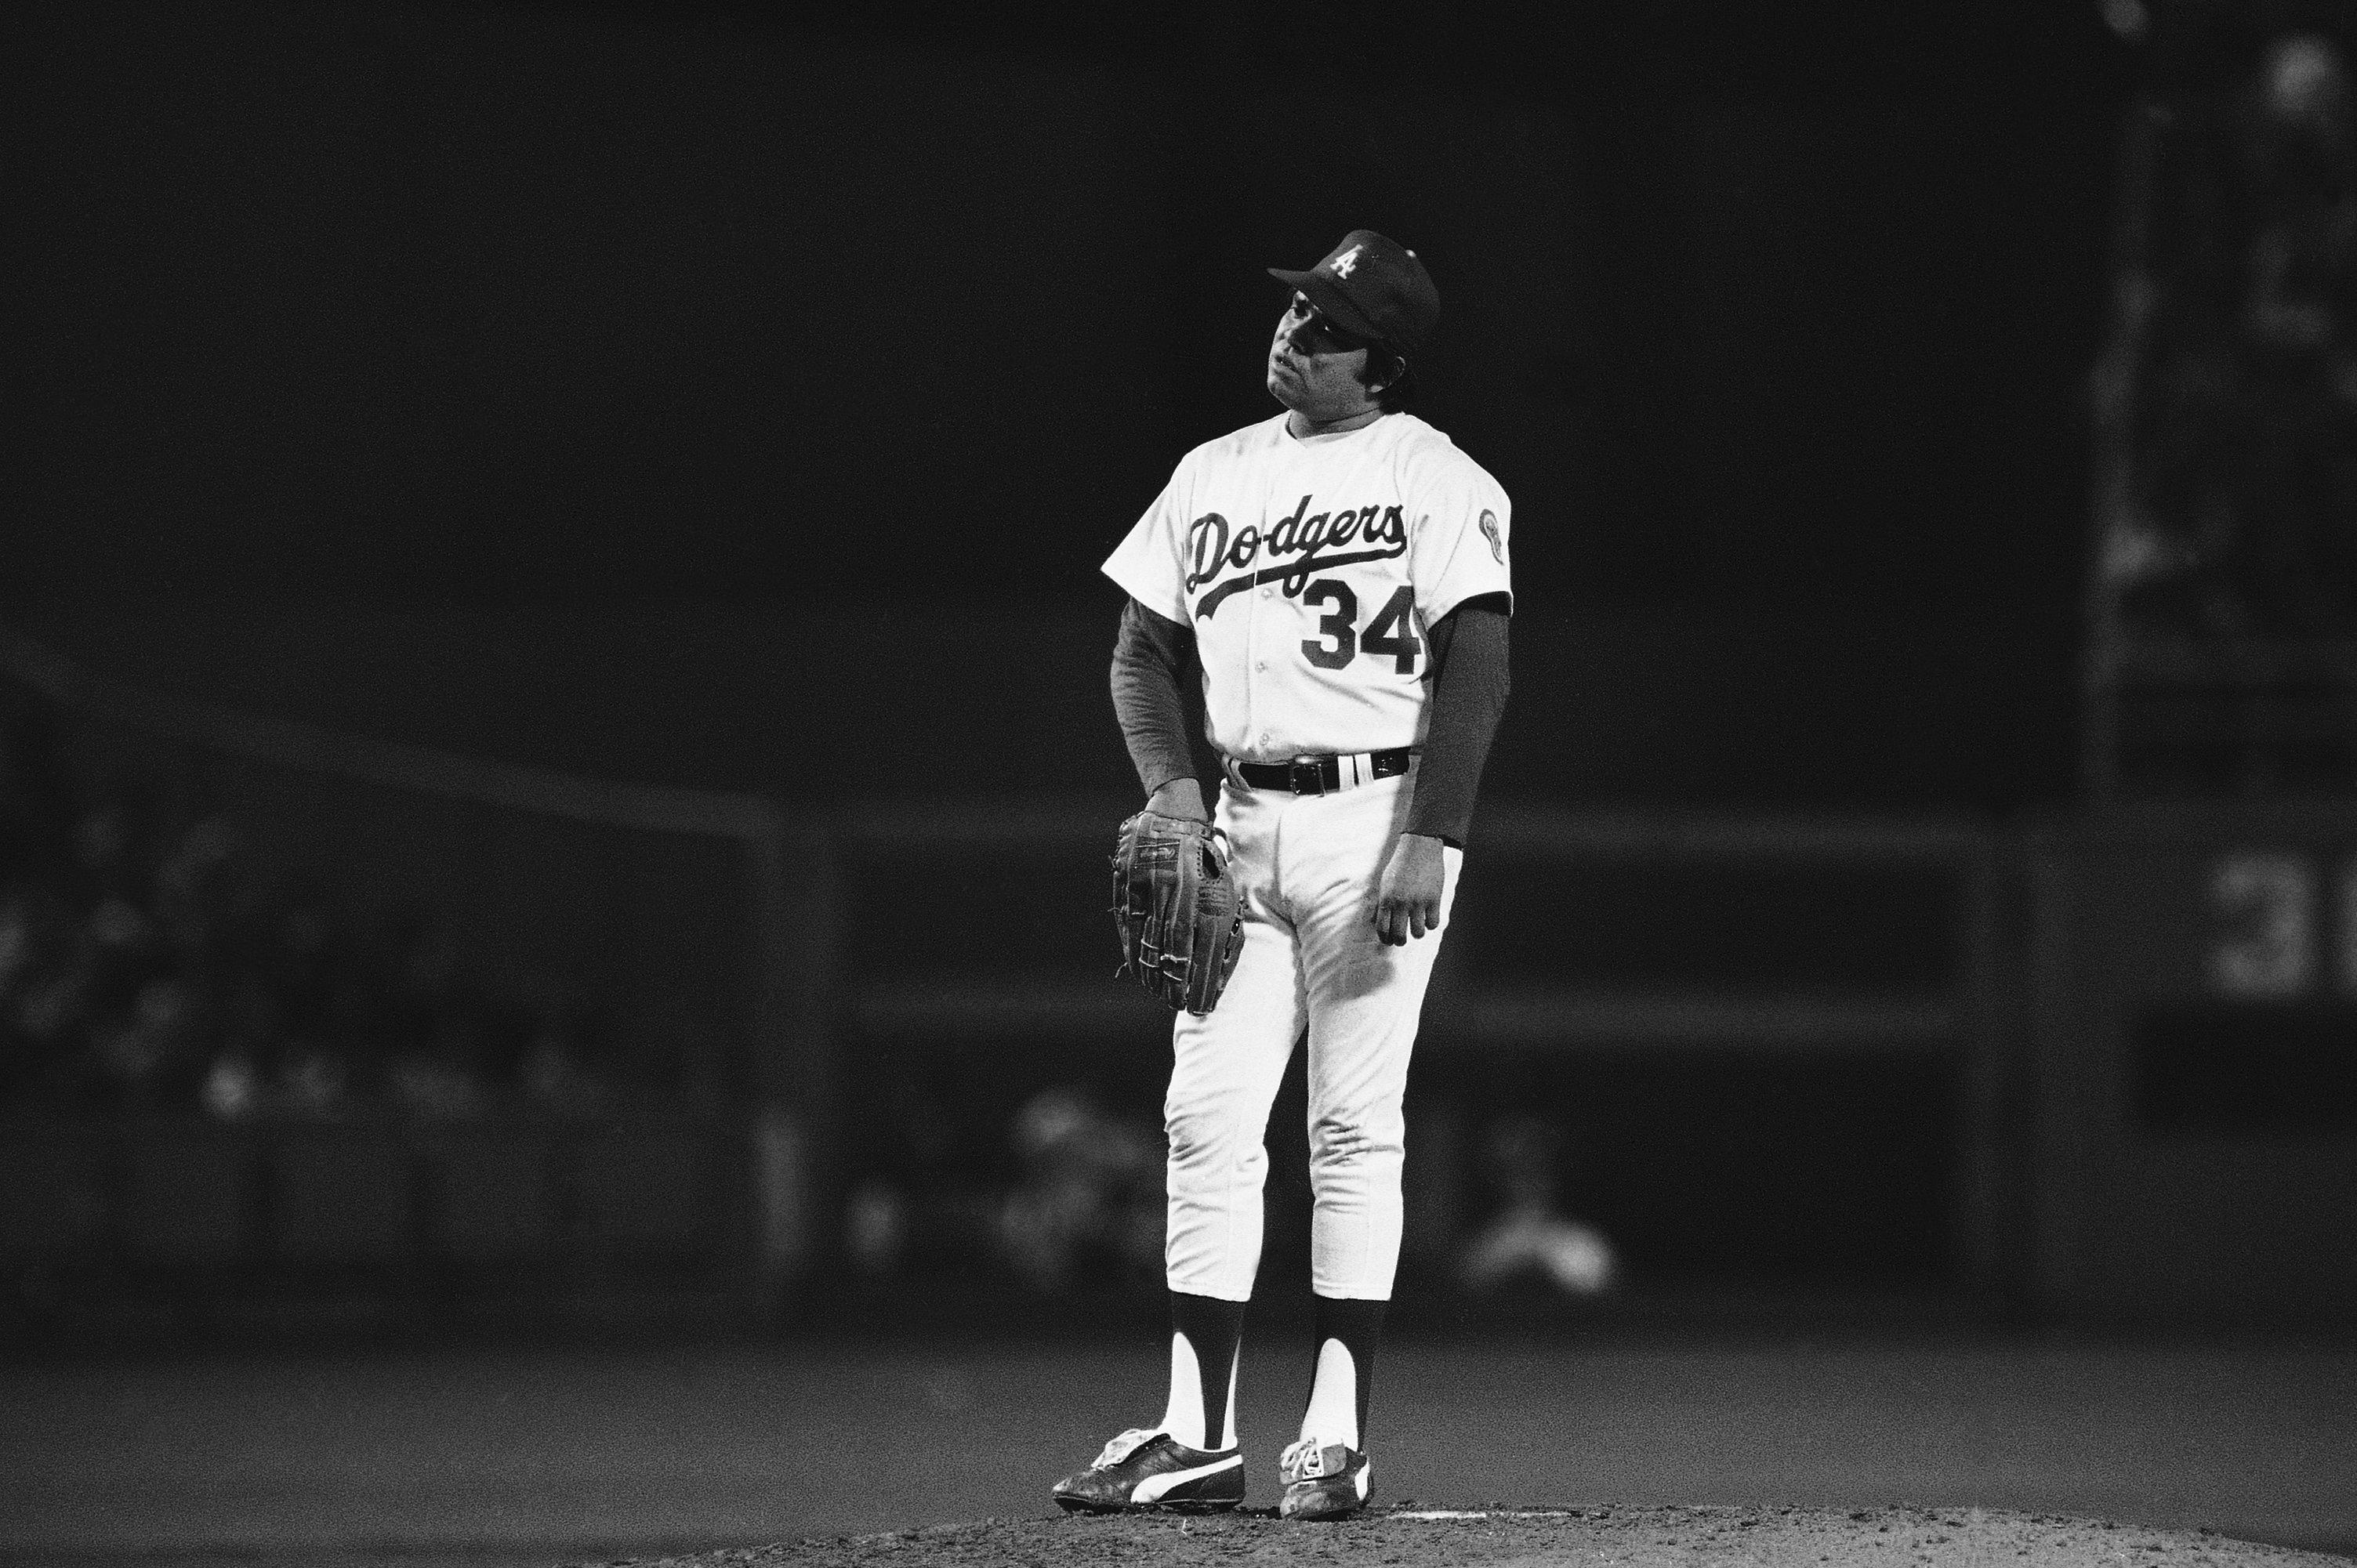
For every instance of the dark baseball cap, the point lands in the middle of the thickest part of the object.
(1372, 286)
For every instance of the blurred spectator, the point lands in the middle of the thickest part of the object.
(2228, 394)
(556, 1072)
(918, 1198)
(1090, 1204)
(1084, 1208)
(2299, 350)
(1530, 1237)
(37, 986)
(149, 961)
(876, 1227)
(441, 1039)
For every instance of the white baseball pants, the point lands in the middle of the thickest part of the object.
(1308, 867)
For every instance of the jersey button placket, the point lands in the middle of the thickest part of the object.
(1249, 662)
(1269, 590)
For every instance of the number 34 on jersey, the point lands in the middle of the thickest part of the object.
(1391, 635)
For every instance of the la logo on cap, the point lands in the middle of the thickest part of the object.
(1369, 286)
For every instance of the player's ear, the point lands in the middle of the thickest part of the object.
(1385, 368)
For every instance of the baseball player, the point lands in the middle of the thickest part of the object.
(1339, 573)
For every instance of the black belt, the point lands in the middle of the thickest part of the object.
(1320, 775)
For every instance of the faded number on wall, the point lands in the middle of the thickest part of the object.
(2272, 921)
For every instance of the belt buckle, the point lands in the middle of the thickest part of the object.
(1308, 775)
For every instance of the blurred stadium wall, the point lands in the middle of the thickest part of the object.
(694, 399)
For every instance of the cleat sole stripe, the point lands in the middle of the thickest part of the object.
(1153, 1489)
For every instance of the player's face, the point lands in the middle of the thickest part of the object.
(1315, 367)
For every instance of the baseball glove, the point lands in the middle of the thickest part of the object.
(1176, 909)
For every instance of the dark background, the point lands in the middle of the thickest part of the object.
(874, 338)
(717, 396)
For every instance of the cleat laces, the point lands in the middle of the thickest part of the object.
(1122, 1447)
(1305, 1461)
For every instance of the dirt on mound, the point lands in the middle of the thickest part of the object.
(1414, 1536)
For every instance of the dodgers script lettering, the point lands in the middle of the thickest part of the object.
(1292, 542)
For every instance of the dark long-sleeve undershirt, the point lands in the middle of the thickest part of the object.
(1152, 656)
(1469, 682)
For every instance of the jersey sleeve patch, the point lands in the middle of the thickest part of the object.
(1462, 548)
(1495, 533)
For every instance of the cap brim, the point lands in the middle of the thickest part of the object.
(1330, 301)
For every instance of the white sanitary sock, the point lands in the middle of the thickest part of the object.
(1333, 1413)
(1184, 1417)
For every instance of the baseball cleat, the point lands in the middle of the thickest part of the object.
(1327, 1481)
(1143, 1468)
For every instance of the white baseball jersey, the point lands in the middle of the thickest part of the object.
(1310, 570)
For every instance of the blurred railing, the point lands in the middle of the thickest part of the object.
(534, 1220)
(660, 916)
(982, 929)
(815, 965)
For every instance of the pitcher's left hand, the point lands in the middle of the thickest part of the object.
(1408, 904)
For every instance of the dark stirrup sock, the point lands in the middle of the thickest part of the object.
(1214, 1329)
(1356, 1326)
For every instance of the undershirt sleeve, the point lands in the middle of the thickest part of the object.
(1469, 682)
(1151, 658)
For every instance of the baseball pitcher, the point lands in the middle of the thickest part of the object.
(1339, 573)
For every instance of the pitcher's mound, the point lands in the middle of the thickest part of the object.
(1413, 1535)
